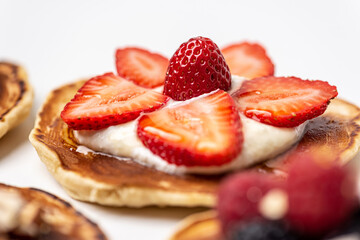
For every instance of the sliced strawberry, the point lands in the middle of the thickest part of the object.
(144, 68)
(108, 100)
(283, 101)
(248, 60)
(205, 131)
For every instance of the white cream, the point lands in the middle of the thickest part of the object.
(261, 142)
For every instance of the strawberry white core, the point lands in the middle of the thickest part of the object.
(261, 142)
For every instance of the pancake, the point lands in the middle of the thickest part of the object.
(16, 96)
(106, 180)
(199, 226)
(28, 213)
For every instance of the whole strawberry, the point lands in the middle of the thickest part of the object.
(197, 67)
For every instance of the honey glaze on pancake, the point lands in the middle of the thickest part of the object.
(12, 88)
(53, 132)
(62, 220)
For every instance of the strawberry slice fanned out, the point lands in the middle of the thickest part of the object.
(248, 60)
(144, 68)
(283, 101)
(203, 131)
(108, 100)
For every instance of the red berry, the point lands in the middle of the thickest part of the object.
(205, 131)
(108, 100)
(197, 67)
(142, 67)
(320, 197)
(248, 60)
(283, 101)
(239, 197)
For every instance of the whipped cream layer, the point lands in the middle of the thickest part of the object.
(261, 142)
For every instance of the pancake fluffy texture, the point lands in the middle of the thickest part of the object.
(16, 96)
(28, 213)
(108, 180)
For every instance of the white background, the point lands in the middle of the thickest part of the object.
(62, 41)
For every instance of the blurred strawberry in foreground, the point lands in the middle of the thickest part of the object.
(315, 201)
(196, 67)
(248, 60)
(108, 100)
(283, 101)
(240, 195)
(142, 67)
(321, 195)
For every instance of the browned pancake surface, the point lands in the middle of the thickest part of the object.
(335, 135)
(12, 87)
(337, 129)
(16, 96)
(57, 219)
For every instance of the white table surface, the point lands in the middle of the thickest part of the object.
(62, 41)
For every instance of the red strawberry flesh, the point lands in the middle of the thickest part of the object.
(201, 132)
(196, 67)
(108, 100)
(283, 101)
(142, 67)
(248, 60)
